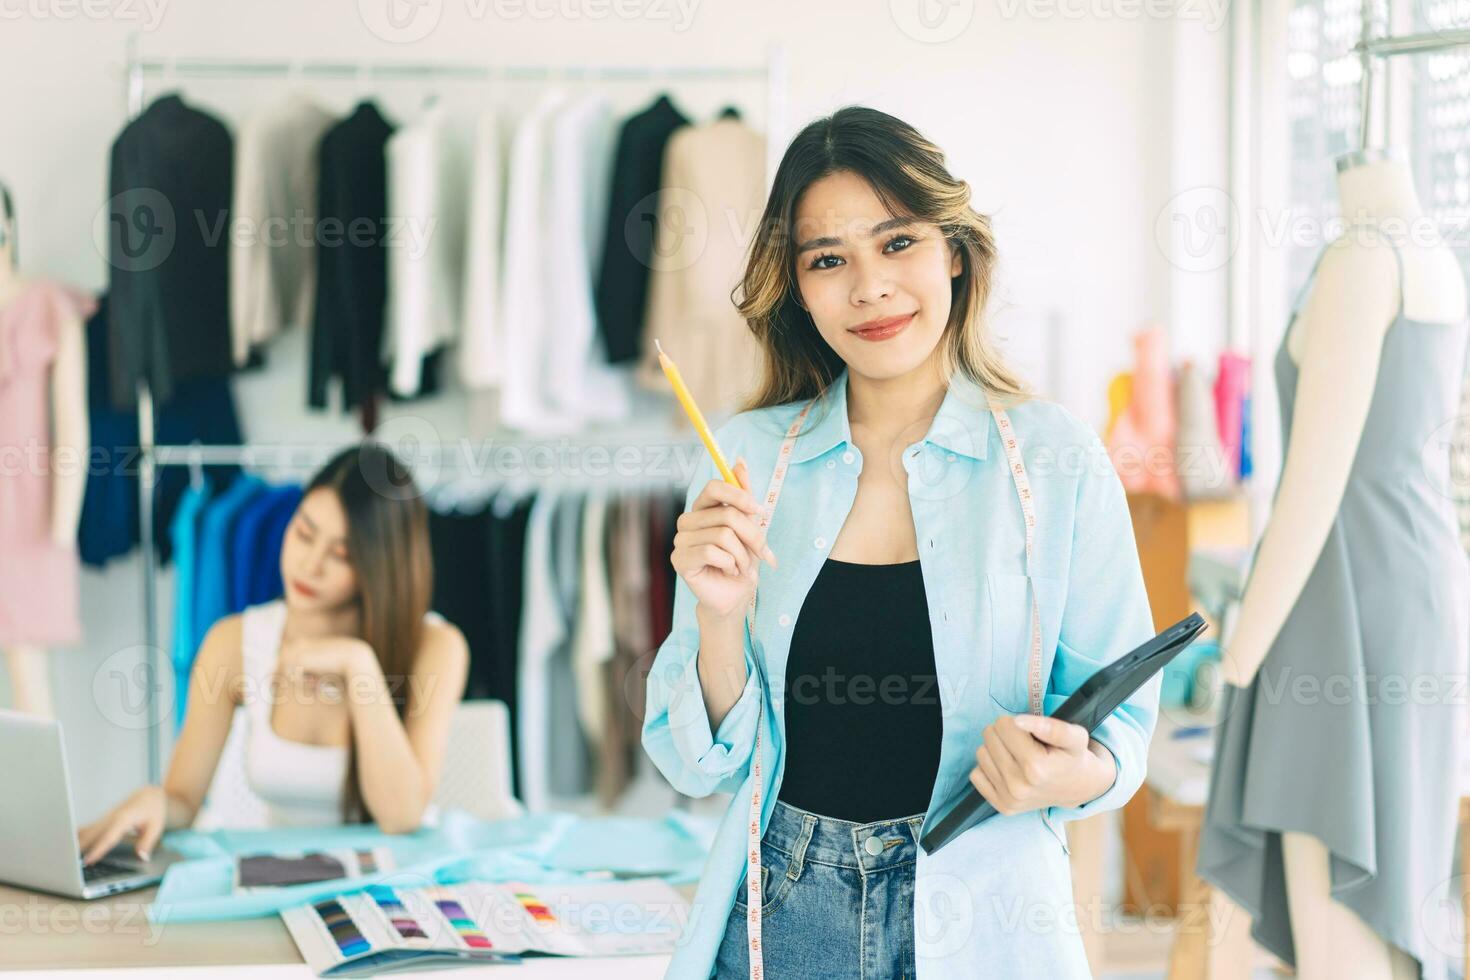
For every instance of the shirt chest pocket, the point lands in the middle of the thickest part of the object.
(1009, 616)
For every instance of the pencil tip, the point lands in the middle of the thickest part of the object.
(659, 347)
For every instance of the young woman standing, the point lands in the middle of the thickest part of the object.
(946, 558)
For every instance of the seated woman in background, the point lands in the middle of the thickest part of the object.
(349, 680)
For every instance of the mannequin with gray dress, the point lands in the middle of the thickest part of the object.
(1333, 800)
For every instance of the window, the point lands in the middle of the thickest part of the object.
(1323, 80)
(1322, 89)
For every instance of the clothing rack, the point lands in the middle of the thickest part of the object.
(1369, 47)
(139, 70)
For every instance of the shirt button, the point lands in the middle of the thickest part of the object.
(831, 464)
(848, 457)
(950, 457)
(784, 619)
(820, 543)
(873, 845)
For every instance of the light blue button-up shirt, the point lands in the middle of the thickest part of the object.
(997, 900)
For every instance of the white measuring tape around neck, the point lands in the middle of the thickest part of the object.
(753, 900)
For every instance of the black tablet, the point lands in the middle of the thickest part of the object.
(1093, 701)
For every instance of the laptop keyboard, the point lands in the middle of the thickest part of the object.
(106, 868)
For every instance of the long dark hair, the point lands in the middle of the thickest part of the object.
(909, 175)
(388, 545)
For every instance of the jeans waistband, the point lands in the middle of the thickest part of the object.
(810, 836)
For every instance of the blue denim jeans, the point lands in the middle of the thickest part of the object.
(832, 908)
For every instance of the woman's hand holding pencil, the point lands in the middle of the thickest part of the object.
(719, 544)
(719, 538)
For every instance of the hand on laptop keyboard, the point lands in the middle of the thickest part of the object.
(106, 868)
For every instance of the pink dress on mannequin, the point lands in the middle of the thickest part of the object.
(38, 577)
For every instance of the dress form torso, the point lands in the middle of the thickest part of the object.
(1363, 841)
(42, 404)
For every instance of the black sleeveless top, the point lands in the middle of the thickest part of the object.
(861, 703)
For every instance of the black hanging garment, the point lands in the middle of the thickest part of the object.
(479, 559)
(352, 267)
(622, 283)
(168, 239)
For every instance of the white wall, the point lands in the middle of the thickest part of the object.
(1064, 126)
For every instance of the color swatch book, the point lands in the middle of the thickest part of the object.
(385, 928)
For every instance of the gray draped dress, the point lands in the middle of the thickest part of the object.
(1350, 731)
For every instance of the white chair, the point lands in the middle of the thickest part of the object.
(476, 777)
(477, 764)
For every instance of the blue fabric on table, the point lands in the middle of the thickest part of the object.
(626, 844)
(541, 847)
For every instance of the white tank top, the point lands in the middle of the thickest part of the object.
(300, 784)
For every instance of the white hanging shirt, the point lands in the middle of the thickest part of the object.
(273, 214)
(428, 180)
(556, 378)
(580, 382)
(524, 316)
(480, 365)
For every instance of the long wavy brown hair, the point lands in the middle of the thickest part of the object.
(388, 541)
(908, 174)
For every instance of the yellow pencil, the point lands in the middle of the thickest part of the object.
(695, 415)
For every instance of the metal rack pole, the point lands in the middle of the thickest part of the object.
(1384, 47)
(1370, 48)
(147, 480)
(232, 68)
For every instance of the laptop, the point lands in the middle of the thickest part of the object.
(38, 829)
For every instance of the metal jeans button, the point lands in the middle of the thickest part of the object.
(873, 845)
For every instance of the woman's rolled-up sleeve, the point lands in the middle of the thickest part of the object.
(1106, 615)
(676, 726)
